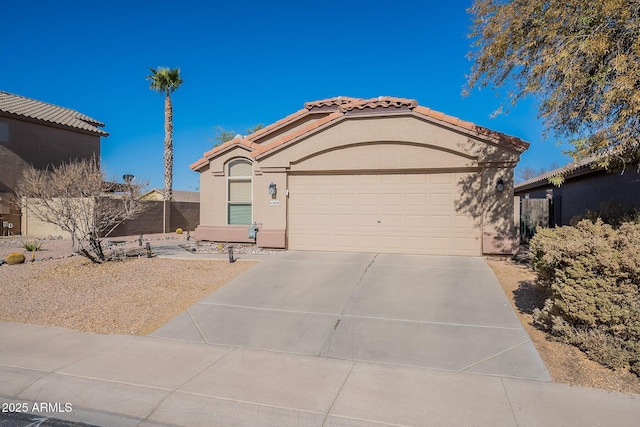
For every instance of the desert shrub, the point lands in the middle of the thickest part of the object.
(591, 275)
(178, 230)
(32, 246)
(612, 213)
(15, 258)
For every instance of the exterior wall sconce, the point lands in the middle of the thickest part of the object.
(273, 190)
(500, 185)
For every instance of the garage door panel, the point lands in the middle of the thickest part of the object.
(342, 220)
(465, 222)
(320, 220)
(345, 199)
(415, 243)
(440, 243)
(395, 213)
(440, 221)
(465, 243)
(392, 220)
(415, 200)
(340, 180)
(299, 220)
(441, 178)
(367, 199)
(391, 179)
(416, 179)
(321, 240)
(367, 242)
(440, 199)
(372, 180)
(415, 221)
(391, 200)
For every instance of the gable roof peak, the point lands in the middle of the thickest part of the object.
(380, 102)
(329, 102)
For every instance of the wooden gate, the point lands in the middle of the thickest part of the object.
(534, 213)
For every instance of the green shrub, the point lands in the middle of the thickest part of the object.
(32, 246)
(591, 275)
(178, 230)
(15, 258)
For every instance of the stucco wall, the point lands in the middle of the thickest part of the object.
(587, 192)
(183, 215)
(395, 144)
(386, 130)
(31, 143)
(24, 143)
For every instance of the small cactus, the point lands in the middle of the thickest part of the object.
(15, 258)
(178, 230)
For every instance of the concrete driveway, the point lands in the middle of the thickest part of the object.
(444, 313)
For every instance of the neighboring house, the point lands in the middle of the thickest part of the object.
(584, 189)
(34, 133)
(374, 175)
(178, 196)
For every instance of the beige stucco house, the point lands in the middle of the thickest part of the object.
(364, 175)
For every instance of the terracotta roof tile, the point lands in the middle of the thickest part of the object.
(307, 128)
(343, 105)
(211, 153)
(279, 123)
(504, 139)
(330, 102)
(31, 108)
(380, 102)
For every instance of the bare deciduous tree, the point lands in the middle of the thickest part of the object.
(72, 196)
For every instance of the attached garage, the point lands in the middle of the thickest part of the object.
(353, 175)
(388, 213)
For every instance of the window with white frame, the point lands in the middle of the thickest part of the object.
(239, 192)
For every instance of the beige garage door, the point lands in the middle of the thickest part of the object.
(388, 213)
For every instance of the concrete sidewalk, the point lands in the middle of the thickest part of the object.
(118, 380)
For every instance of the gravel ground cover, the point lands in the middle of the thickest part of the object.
(133, 296)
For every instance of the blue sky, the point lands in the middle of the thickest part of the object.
(243, 63)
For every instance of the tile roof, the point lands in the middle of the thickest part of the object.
(31, 108)
(379, 102)
(339, 107)
(564, 170)
(330, 102)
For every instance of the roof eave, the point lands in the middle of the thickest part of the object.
(220, 150)
(22, 117)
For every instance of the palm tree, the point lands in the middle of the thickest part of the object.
(165, 81)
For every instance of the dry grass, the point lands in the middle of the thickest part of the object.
(133, 297)
(565, 363)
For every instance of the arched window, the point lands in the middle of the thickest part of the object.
(239, 192)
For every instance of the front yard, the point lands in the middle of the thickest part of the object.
(132, 297)
(137, 296)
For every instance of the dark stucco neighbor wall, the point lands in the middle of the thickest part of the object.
(31, 143)
(587, 192)
(24, 143)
